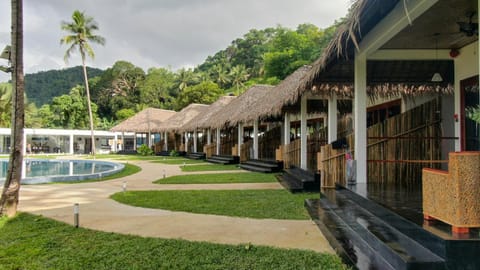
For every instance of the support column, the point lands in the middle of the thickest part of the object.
(123, 140)
(332, 118)
(255, 139)
(186, 142)
(303, 133)
(286, 127)
(72, 142)
(115, 143)
(195, 141)
(165, 147)
(240, 138)
(360, 120)
(209, 136)
(135, 141)
(218, 141)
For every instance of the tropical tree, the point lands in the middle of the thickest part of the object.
(11, 188)
(80, 34)
(204, 93)
(185, 78)
(239, 75)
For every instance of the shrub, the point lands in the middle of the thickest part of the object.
(144, 150)
(174, 153)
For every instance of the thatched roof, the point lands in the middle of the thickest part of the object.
(241, 109)
(285, 93)
(333, 71)
(182, 117)
(144, 121)
(200, 120)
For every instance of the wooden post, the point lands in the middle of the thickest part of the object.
(195, 141)
(218, 141)
(240, 137)
(287, 129)
(303, 133)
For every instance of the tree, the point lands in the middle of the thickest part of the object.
(204, 93)
(80, 34)
(239, 75)
(11, 188)
(185, 78)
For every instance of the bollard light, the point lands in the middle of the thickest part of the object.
(124, 186)
(76, 214)
(164, 174)
(184, 164)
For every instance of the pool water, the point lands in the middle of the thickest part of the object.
(37, 171)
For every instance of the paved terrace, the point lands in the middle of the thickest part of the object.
(98, 212)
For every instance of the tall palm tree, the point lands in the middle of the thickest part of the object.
(11, 188)
(80, 34)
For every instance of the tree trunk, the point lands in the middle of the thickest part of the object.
(11, 189)
(90, 115)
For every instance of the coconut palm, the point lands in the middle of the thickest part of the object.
(239, 75)
(11, 187)
(80, 34)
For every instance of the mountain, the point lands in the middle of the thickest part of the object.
(43, 86)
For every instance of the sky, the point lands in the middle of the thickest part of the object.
(156, 33)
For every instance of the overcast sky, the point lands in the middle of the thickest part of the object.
(156, 33)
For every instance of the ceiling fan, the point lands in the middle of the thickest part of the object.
(469, 28)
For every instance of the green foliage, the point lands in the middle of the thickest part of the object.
(174, 153)
(31, 119)
(68, 111)
(144, 150)
(34, 242)
(123, 114)
(276, 204)
(179, 161)
(219, 178)
(204, 93)
(474, 113)
(42, 87)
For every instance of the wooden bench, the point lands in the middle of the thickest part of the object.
(454, 196)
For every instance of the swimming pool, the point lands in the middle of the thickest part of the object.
(39, 171)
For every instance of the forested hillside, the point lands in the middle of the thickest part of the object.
(43, 86)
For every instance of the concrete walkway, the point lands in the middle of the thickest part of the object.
(98, 212)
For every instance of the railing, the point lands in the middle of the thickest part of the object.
(210, 149)
(397, 149)
(268, 143)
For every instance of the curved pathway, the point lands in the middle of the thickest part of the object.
(98, 212)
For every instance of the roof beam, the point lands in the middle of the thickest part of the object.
(410, 55)
(392, 24)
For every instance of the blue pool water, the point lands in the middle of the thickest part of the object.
(38, 171)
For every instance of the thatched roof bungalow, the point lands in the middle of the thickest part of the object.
(144, 121)
(179, 119)
(201, 120)
(241, 109)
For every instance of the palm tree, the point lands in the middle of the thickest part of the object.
(239, 75)
(80, 35)
(11, 188)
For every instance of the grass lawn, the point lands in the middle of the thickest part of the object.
(179, 161)
(124, 157)
(209, 167)
(218, 178)
(33, 242)
(277, 204)
(129, 169)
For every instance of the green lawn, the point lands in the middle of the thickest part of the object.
(125, 157)
(218, 178)
(33, 242)
(179, 161)
(209, 167)
(129, 169)
(277, 204)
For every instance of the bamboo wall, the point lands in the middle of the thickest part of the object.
(397, 149)
(268, 143)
